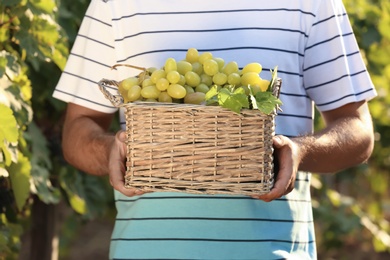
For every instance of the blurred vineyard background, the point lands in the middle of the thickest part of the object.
(49, 210)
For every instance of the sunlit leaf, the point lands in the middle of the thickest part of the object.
(20, 180)
(8, 125)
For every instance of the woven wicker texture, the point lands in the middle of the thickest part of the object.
(196, 148)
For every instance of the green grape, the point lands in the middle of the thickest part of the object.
(194, 98)
(220, 78)
(182, 80)
(234, 79)
(197, 68)
(164, 97)
(264, 84)
(183, 66)
(250, 78)
(170, 64)
(134, 93)
(189, 89)
(147, 82)
(252, 67)
(192, 55)
(157, 74)
(202, 88)
(176, 91)
(210, 67)
(206, 79)
(162, 84)
(205, 56)
(127, 83)
(151, 70)
(221, 63)
(192, 78)
(255, 89)
(230, 67)
(150, 92)
(173, 77)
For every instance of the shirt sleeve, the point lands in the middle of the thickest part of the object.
(90, 60)
(334, 70)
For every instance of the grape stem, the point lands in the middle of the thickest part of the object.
(128, 65)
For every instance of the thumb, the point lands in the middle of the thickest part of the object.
(278, 141)
(121, 136)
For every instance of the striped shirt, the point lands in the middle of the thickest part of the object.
(318, 59)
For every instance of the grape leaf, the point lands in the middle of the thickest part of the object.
(266, 102)
(9, 128)
(20, 179)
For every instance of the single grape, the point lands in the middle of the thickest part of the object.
(220, 78)
(147, 82)
(162, 84)
(205, 56)
(127, 83)
(173, 77)
(202, 88)
(182, 80)
(192, 55)
(264, 84)
(195, 98)
(210, 67)
(189, 89)
(197, 68)
(192, 78)
(230, 67)
(170, 64)
(150, 92)
(255, 89)
(134, 93)
(164, 97)
(250, 78)
(234, 79)
(252, 67)
(220, 61)
(176, 91)
(183, 67)
(206, 79)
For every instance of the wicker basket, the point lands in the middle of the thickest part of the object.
(195, 148)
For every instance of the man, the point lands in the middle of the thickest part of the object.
(314, 48)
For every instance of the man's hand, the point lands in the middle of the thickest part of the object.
(117, 167)
(286, 152)
(346, 141)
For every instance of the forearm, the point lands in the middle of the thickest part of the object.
(342, 144)
(86, 144)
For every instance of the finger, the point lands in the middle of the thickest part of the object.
(121, 136)
(278, 141)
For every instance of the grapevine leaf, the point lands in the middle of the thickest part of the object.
(239, 90)
(20, 180)
(46, 6)
(211, 93)
(266, 102)
(8, 125)
(41, 166)
(223, 95)
(274, 75)
(71, 182)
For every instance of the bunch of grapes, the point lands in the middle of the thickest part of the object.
(188, 80)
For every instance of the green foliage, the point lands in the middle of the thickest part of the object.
(351, 208)
(35, 40)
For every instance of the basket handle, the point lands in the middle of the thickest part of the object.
(276, 87)
(116, 100)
